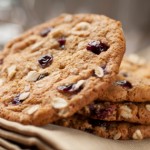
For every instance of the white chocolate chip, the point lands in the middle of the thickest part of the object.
(31, 109)
(79, 84)
(24, 95)
(68, 18)
(117, 136)
(148, 107)
(32, 76)
(11, 71)
(126, 112)
(136, 59)
(137, 135)
(59, 103)
(99, 72)
(2, 81)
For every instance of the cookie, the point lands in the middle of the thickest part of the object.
(132, 83)
(125, 111)
(135, 66)
(111, 130)
(55, 69)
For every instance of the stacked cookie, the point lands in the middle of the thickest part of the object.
(65, 71)
(123, 111)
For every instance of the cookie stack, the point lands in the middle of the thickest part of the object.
(65, 71)
(123, 111)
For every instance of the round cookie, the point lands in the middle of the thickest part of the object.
(55, 69)
(111, 130)
(136, 66)
(125, 111)
(132, 83)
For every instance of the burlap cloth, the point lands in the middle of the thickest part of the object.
(14, 136)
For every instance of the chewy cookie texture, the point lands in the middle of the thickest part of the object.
(55, 69)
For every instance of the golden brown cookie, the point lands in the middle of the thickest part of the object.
(125, 111)
(131, 84)
(107, 129)
(55, 69)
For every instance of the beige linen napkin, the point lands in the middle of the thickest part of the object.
(14, 136)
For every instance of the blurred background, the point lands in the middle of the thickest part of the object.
(19, 15)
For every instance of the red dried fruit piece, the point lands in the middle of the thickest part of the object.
(62, 42)
(45, 61)
(101, 113)
(97, 47)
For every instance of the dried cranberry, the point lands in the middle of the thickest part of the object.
(43, 75)
(97, 47)
(71, 88)
(1, 61)
(101, 113)
(16, 100)
(62, 42)
(45, 32)
(124, 83)
(45, 61)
